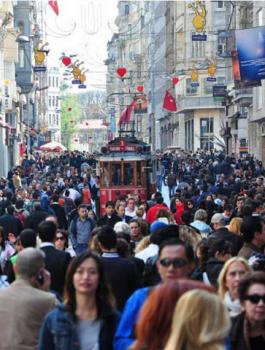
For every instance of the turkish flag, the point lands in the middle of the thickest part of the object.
(126, 115)
(54, 6)
(169, 102)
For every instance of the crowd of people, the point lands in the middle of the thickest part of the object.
(144, 275)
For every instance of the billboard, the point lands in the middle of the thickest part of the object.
(239, 83)
(250, 45)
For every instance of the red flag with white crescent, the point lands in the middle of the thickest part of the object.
(169, 102)
(54, 6)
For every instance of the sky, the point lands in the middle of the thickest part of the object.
(83, 27)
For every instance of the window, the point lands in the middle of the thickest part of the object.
(207, 87)
(50, 119)
(57, 81)
(49, 81)
(260, 17)
(220, 4)
(259, 97)
(206, 137)
(21, 27)
(198, 49)
(190, 90)
(116, 174)
(57, 101)
(53, 101)
(53, 119)
(21, 57)
(57, 120)
(220, 80)
(127, 10)
(53, 84)
(221, 45)
(50, 101)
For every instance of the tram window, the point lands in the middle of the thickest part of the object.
(105, 175)
(116, 175)
(138, 174)
(128, 174)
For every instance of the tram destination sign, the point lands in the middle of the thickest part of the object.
(117, 148)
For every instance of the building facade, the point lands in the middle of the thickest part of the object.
(54, 104)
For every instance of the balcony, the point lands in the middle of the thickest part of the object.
(243, 97)
(188, 103)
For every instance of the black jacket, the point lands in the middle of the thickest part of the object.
(56, 262)
(10, 224)
(123, 277)
(108, 221)
(223, 233)
(34, 219)
(60, 214)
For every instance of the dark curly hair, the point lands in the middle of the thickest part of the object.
(104, 297)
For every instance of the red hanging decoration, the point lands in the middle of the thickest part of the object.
(140, 88)
(175, 80)
(121, 71)
(66, 60)
(54, 6)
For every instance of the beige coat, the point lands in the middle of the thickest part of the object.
(22, 310)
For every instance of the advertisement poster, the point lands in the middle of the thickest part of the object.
(250, 45)
(239, 83)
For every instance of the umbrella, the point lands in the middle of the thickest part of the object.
(53, 147)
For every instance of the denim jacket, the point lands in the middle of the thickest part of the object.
(59, 331)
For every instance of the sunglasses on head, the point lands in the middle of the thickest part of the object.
(60, 238)
(166, 262)
(255, 298)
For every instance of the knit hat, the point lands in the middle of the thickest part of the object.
(156, 225)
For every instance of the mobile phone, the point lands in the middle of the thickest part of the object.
(40, 278)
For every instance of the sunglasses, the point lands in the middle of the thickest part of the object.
(255, 298)
(166, 262)
(61, 238)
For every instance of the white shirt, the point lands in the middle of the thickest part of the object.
(148, 252)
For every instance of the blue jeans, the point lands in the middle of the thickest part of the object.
(81, 248)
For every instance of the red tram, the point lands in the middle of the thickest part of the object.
(126, 167)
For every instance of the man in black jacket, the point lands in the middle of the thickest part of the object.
(121, 273)
(59, 212)
(110, 218)
(56, 261)
(10, 223)
(221, 232)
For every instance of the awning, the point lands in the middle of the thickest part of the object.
(260, 120)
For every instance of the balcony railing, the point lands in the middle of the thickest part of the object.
(186, 103)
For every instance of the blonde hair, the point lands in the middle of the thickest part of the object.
(144, 243)
(222, 276)
(195, 325)
(235, 226)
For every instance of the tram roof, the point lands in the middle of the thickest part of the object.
(126, 158)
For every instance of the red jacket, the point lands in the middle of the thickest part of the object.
(152, 212)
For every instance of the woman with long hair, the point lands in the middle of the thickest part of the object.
(200, 322)
(233, 270)
(87, 319)
(235, 226)
(153, 327)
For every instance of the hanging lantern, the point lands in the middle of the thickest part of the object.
(140, 88)
(121, 71)
(75, 140)
(212, 69)
(71, 121)
(66, 61)
(175, 80)
(69, 109)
